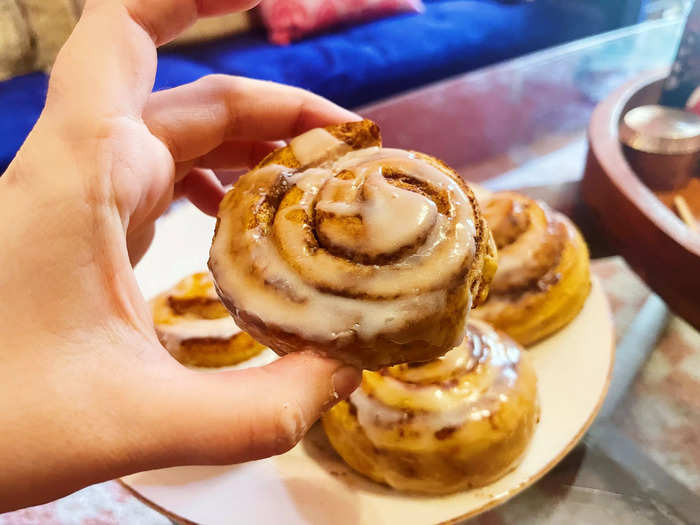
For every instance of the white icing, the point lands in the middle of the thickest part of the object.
(478, 394)
(523, 249)
(313, 145)
(392, 217)
(375, 417)
(449, 243)
(535, 249)
(265, 357)
(184, 328)
(404, 290)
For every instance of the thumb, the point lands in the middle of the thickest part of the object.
(242, 415)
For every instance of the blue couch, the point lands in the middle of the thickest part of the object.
(358, 64)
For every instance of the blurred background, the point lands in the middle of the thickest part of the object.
(353, 52)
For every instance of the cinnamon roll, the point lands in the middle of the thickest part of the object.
(365, 254)
(543, 275)
(458, 422)
(197, 329)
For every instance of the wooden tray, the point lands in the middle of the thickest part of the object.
(653, 240)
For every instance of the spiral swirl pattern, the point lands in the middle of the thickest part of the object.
(459, 421)
(368, 254)
(543, 268)
(195, 327)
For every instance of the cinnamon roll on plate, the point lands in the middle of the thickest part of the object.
(458, 422)
(366, 254)
(196, 328)
(543, 275)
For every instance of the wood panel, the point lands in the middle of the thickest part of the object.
(653, 240)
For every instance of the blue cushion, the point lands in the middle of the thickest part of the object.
(358, 64)
(354, 65)
(21, 100)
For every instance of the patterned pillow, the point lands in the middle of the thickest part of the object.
(288, 20)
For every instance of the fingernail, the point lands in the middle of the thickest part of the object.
(345, 380)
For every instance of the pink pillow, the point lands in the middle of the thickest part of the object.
(288, 20)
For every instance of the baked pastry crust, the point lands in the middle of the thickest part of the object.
(369, 255)
(195, 327)
(458, 422)
(543, 276)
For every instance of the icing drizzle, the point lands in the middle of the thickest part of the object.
(468, 385)
(352, 243)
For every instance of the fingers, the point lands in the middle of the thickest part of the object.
(238, 154)
(194, 119)
(230, 159)
(203, 189)
(163, 20)
(108, 64)
(250, 414)
(229, 176)
(137, 242)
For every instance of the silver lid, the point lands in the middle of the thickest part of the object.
(660, 129)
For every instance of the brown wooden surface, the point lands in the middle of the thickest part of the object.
(653, 240)
(691, 194)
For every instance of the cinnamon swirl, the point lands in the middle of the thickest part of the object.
(458, 422)
(197, 329)
(543, 275)
(366, 254)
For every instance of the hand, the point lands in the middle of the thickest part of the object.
(86, 391)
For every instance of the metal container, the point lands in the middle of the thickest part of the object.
(662, 145)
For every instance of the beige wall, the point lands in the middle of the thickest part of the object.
(32, 32)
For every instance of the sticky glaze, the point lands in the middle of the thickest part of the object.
(455, 423)
(467, 385)
(281, 271)
(543, 273)
(196, 328)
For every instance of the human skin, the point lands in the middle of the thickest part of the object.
(87, 393)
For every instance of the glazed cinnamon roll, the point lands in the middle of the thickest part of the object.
(197, 329)
(543, 275)
(458, 422)
(366, 254)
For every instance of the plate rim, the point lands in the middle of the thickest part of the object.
(491, 503)
(570, 445)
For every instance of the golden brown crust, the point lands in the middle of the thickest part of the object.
(370, 355)
(195, 327)
(396, 430)
(543, 277)
(357, 135)
(309, 248)
(485, 246)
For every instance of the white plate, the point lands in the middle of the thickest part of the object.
(310, 484)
